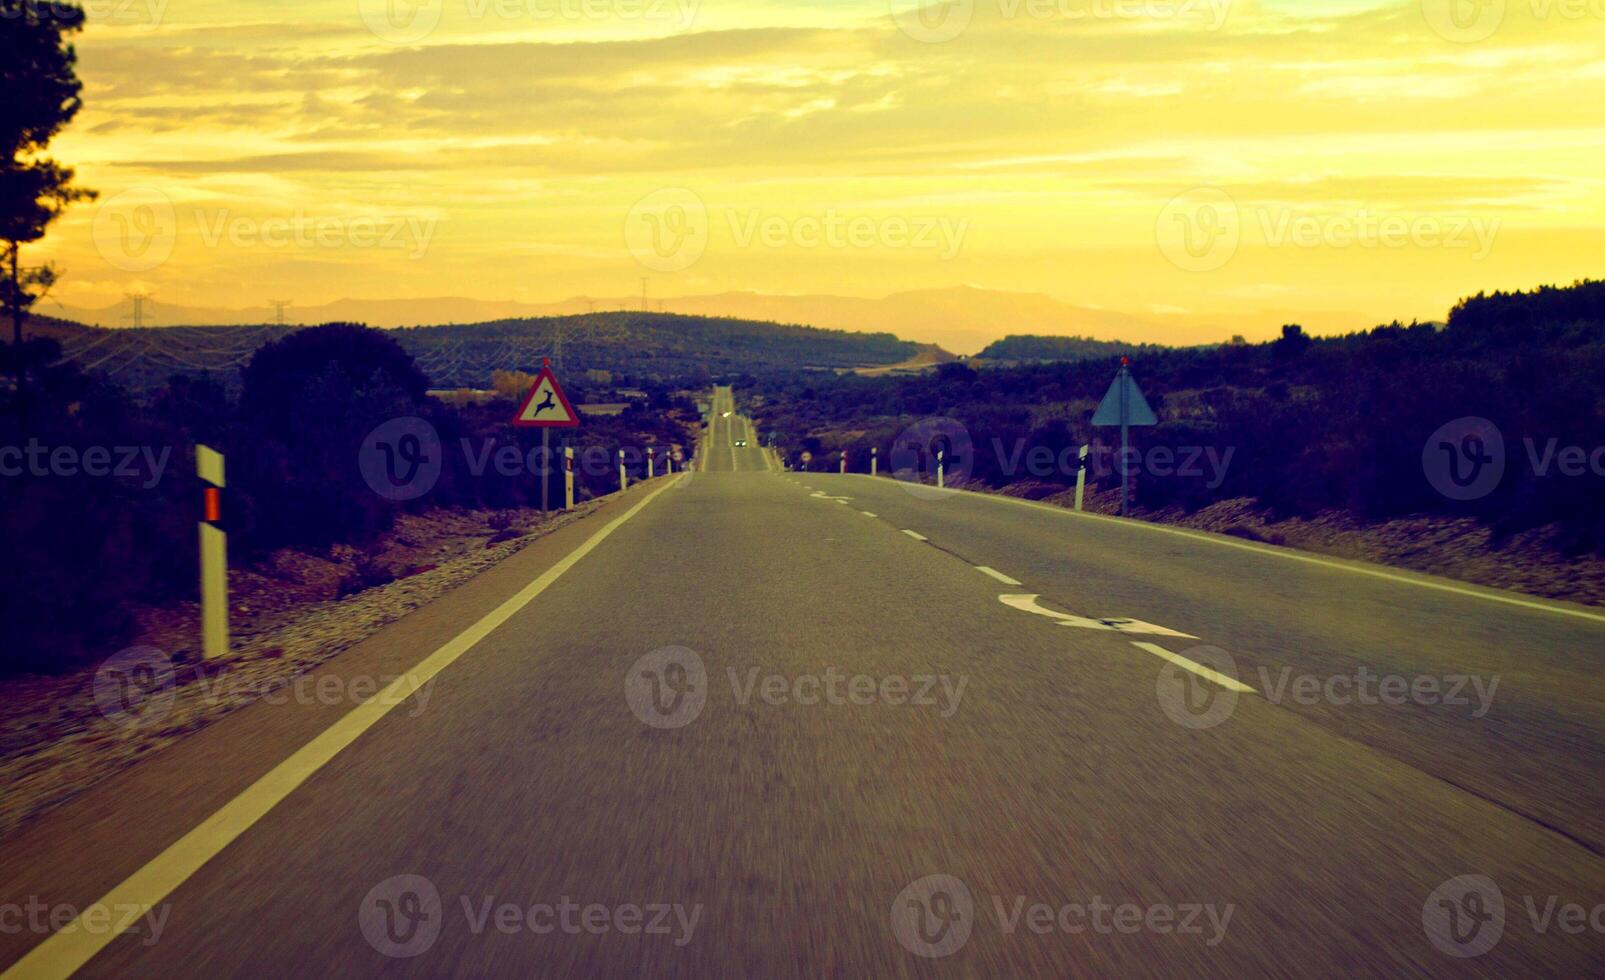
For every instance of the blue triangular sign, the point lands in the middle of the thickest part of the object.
(1137, 411)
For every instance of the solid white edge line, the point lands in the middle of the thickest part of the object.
(997, 575)
(68, 949)
(915, 535)
(1417, 579)
(1230, 683)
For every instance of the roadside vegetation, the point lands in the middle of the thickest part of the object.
(1308, 424)
(98, 506)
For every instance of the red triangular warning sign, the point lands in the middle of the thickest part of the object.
(546, 406)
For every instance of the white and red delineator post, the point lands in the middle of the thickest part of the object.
(214, 554)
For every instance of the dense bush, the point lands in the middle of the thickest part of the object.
(1311, 423)
(82, 549)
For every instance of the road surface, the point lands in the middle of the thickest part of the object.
(745, 722)
(725, 430)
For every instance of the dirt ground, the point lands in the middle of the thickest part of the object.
(1457, 548)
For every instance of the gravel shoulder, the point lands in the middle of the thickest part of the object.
(1457, 548)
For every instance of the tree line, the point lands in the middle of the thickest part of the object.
(1310, 423)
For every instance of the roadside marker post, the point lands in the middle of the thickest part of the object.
(874, 460)
(651, 457)
(214, 555)
(844, 461)
(546, 395)
(1124, 405)
(624, 478)
(568, 477)
(941, 475)
(1081, 477)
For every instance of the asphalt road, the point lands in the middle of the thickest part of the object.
(727, 428)
(788, 724)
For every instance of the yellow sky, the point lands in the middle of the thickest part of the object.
(1244, 163)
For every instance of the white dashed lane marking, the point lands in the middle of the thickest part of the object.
(915, 535)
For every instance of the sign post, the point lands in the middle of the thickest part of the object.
(1124, 405)
(214, 555)
(546, 408)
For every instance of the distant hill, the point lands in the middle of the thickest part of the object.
(962, 319)
(1030, 348)
(648, 346)
(651, 345)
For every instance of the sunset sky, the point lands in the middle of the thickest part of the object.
(1245, 163)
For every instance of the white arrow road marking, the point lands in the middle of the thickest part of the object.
(822, 495)
(1230, 683)
(1028, 603)
(1138, 626)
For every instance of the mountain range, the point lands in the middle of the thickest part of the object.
(962, 319)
